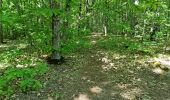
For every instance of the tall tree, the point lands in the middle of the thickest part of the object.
(80, 14)
(55, 5)
(66, 23)
(1, 28)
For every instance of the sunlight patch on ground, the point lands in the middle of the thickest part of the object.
(118, 56)
(131, 94)
(160, 63)
(50, 98)
(123, 86)
(158, 71)
(82, 97)
(96, 90)
(106, 60)
(4, 46)
(22, 66)
(163, 59)
(93, 42)
(86, 78)
(26, 65)
(14, 44)
(108, 64)
(4, 65)
(110, 60)
(101, 53)
(31, 61)
(22, 46)
(108, 67)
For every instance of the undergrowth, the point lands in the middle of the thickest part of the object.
(21, 79)
(125, 44)
(22, 72)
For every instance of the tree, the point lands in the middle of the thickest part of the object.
(1, 28)
(55, 57)
(66, 23)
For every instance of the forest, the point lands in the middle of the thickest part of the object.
(84, 49)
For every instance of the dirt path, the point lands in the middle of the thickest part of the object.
(94, 74)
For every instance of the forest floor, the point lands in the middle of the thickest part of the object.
(98, 74)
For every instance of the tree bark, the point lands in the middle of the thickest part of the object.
(55, 31)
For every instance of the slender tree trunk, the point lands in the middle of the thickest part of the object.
(80, 16)
(55, 31)
(80, 9)
(1, 33)
(87, 11)
(105, 24)
(67, 9)
(155, 26)
(92, 17)
(66, 23)
(1, 27)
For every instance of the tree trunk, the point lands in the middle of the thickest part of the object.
(1, 28)
(80, 16)
(87, 11)
(55, 32)
(66, 23)
(80, 9)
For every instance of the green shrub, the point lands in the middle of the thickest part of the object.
(21, 79)
(74, 45)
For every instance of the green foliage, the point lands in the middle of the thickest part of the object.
(108, 44)
(32, 20)
(141, 48)
(29, 84)
(41, 41)
(21, 79)
(134, 46)
(126, 44)
(74, 45)
(114, 43)
(29, 21)
(57, 95)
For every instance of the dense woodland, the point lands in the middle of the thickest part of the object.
(84, 49)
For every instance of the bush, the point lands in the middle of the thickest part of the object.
(21, 79)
